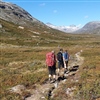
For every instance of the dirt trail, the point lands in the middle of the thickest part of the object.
(44, 92)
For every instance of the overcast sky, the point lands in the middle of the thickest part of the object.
(62, 12)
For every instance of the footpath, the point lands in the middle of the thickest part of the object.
(46, 91)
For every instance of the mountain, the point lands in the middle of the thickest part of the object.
(13, 13)
(67, 29)
(17, 15)
(18, 27)
(90, 28)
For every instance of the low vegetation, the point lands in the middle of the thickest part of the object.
(22, 60)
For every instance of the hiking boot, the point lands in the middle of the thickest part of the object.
(67, 72)
(63, 77)
(53, 81)
(58, 74)
(49, 79)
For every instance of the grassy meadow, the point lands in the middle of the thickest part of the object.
(22, 60)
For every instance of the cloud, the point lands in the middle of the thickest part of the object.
(55, 11)
(42, 4)
(86, 16)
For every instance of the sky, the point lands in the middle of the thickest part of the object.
(62, 12)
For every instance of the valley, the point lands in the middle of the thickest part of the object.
(24, 42)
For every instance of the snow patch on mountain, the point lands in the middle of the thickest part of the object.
(67, 29)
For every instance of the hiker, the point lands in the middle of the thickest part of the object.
(60, 61)
(51, 63)
(66, 59)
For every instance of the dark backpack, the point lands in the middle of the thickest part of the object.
(59, 56)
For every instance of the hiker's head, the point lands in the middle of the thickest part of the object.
(53, 51)
(65, 50)
(61, 50)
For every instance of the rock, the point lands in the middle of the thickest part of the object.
(18, 89)
(0, 26)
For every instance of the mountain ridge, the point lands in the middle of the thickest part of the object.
(13, 13)
(67, 29)
(92, 27)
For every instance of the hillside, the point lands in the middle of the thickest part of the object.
(20, 26)
(13, 13)
(34, 36)
(90, 28)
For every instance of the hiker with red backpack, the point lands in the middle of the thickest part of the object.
(51, 63)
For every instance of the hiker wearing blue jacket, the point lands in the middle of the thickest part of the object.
(65, 59)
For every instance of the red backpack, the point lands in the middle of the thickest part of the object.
(50, 59)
